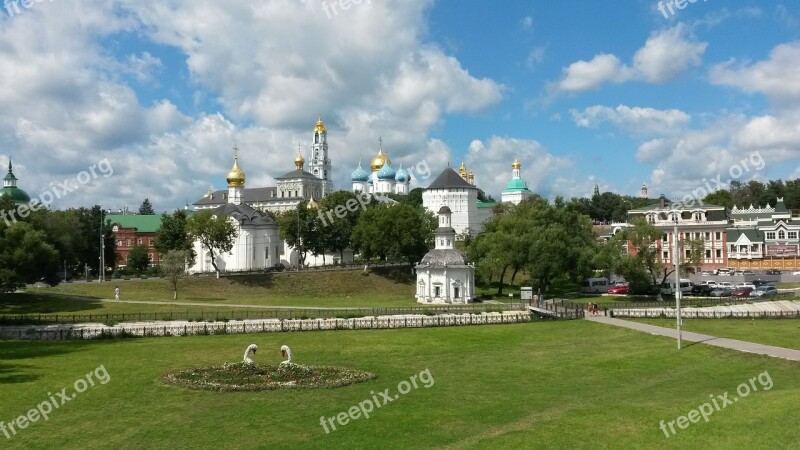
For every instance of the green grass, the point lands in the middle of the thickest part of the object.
(780, 333)
(547, 385)
(383, 287)
(795, 285)
(50, 305)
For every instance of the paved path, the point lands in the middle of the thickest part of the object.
(742, 346)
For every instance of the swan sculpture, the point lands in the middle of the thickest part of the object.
(286, 352)
(250, 349)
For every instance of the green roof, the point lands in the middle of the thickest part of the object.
(516, 185)
(144, 223)
(17, 194)
(486, 204)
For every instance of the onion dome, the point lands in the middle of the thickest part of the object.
(386, 172)
(463, 170)
(10, 188)
(319, 127)
(516, 165)
(359, 175)
(236, 177)
(445, 210)
(402, 175)
(312, 204)
(299, 161)
(380, 159)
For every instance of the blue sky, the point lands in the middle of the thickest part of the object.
(611, 93)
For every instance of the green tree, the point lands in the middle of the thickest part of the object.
(173, 265)
(299, 230)
(26, 252)
(146, 208)
(336, 232)
(215, 233)
(173, 235)
(138, 259)
(9, 281)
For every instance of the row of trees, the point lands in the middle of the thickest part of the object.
(48, 245)
(757, 194)
(342, 220)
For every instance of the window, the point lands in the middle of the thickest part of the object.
(771, 235)
(139, 241)
(688, 253)
(456, 292)
(128, 243)
(719, 253)
(707, 236)
(437, 291)
(150, 242)
(793, 235)
(697, 235)
(708, 254)
(664, 238)
(781, 234)
(666, 256)
(718, 236)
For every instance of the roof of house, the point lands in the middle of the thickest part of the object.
(297, 173)
(249, 196)
(449, 179)
(143, 223)
(244, 214)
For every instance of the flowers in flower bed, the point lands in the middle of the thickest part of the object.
(259, 377)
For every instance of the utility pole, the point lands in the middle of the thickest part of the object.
(102, 248)
(678, 292)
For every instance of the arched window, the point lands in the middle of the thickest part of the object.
(316, 138)
(781, 234)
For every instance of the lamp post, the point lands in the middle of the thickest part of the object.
(102, 274)
(678, 292)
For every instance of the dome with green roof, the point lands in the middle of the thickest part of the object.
(516, 184)
(10, 187)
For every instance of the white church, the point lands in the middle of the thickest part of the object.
(257, 244)
(445, 275)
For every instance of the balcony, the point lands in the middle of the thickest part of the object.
(745, 255)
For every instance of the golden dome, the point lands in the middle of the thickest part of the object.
(299, 161)
(463, 170)
(320, 127)
(516, 165)
(312, 204)
(236, 177)
(380, 159)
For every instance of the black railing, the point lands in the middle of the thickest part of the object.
(561, 309)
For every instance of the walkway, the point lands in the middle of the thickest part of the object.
(742, 346)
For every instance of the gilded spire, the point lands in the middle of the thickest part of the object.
(516, 165)
(380, 159)
(463, 170)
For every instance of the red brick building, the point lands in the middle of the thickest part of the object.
(132, 230)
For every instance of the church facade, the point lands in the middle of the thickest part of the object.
(457, 192)
(516, 190)
(445, 275)
(382, 178)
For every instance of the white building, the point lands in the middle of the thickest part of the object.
(454, 191)
(444, 275)
(257, 244)
(517, 189)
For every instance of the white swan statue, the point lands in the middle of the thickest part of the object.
(286, 352)
(250, 349)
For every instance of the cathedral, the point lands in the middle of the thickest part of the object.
(382, 178)
(444, 275)
(291, 188)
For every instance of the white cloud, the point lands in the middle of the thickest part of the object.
(665, 55)
(491, 161)
(636, 120)
(775, 77)
(367, 70)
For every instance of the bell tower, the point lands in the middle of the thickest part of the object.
(320, 165)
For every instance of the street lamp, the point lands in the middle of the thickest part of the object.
(678, 292)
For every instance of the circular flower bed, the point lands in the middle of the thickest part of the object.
(259, 377)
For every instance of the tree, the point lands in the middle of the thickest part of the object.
(345, 209)
(298, 230)
(138, 259)
(643, 260)
(174, 266)
(146, 207)
(26, 252)
(9, 281)
(173, 235)
(215, 233)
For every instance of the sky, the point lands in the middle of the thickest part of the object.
(110, 102)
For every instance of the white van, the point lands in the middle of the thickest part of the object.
(595, 286)
(668, 288)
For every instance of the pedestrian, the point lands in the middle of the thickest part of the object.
(116, 293)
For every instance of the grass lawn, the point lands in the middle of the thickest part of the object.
(47, 305)
(794, 285)
(383, 287)
(780, 333)
(544, 385)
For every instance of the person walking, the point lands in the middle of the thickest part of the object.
(116, 293)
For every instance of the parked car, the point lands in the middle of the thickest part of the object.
(742, 292)
(725, 284)
(759, 283)
(773, 272)
(708, 283)
(796, 272)
(765, 291)
(749, 272)
(745, 284)
(595, 286)
(619, 290)
(703, 290)
(705, 273)
(721, 292)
